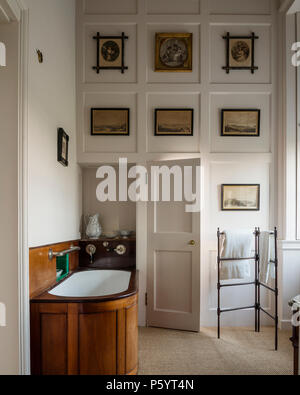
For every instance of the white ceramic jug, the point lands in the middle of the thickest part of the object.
(94, 229)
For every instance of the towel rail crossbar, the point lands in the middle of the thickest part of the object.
(237, 259)
(270, 315)
(269, 288)
(257, 284)
(52, 254)
(237, 309)
(236, 285)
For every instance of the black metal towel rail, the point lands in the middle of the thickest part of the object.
(257, 283)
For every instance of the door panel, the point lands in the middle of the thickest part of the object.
(173, 262)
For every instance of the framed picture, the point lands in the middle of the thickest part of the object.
(243, 123)
(110, 121)
(239, 197)
(174, 52)
(174, 122)
(110, 52)
(62, 147)
(240, 51)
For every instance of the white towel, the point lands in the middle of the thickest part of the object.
(236, 244)
(267, 253)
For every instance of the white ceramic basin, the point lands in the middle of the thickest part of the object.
(93, 283)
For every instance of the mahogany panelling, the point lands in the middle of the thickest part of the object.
(84, 338)
(98, 344)
(42, 271)
(54, 344)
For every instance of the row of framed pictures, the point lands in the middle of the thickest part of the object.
(174, 52)
(174, 122)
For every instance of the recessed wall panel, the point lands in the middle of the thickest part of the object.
(240, 7)
(262, 55)
(124, 144)
(237, 101)
(173, 281)
(173, 7)
(173, 143)
(111, 7)
(90, 54)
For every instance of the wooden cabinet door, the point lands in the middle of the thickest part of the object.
(98, 343)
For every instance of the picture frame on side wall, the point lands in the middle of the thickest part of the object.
(63, 147)
(110, 121)
(174, 122)
(240, 122)
(240, 197)
(174, 52)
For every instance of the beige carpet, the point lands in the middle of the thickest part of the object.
(240, 352)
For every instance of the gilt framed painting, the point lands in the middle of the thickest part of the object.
(63, 147)
(174, 52)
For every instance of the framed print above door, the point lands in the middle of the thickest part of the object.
(110, 121)
(174, 122)
(240, 123)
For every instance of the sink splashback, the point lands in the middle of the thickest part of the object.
(105, 256)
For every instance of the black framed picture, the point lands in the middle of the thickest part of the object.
(110, 121)
(240, 53)
(240, 197)
(110, 52)
(240, 122)
(63, 147)
(174, 122)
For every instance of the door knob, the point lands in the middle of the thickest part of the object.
(192, 243)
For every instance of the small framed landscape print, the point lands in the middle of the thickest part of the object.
(240, 51)
(62, 147)
(110, 52)
(174, 52)
(174, 122)
(110, 121)
(240, 123)
(241, 197)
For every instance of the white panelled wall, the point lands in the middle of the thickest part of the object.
(207, 89)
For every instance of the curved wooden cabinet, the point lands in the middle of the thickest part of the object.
(85, 338)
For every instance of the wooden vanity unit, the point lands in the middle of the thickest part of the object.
(86, 335)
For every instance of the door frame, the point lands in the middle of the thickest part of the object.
(22, 14)
(162, 162)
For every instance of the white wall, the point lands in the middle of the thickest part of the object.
(207, 89)
(54, 191)
(9, 361)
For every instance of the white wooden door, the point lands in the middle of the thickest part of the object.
(173, 286)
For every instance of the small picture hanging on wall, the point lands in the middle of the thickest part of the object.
(63, 147)
(240, 123)
(174, 122)
(240, 53)
(110, 53)
(110, 121)
(240, 197)
(174, 52)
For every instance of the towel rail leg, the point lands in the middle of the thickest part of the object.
(256, 327)
(276, 289)
(258, 282)
(219, 289)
